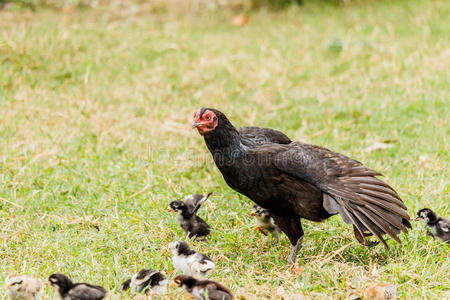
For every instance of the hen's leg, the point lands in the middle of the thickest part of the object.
(292, 227)
(294, 251)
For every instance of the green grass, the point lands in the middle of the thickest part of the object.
(95, 138)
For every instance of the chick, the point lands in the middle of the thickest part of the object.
(147, 281)
(265, 222)
(193, 225)
(203, 289)
(188, 261)
(22, 287)
(440, 227)
(76, 291)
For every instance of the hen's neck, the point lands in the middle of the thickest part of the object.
(224, 138)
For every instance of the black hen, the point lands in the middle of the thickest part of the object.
(294, 180)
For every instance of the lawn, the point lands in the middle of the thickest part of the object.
(95, 138)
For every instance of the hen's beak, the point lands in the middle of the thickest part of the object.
(194, 124)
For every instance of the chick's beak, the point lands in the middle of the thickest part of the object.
(418, 218)
(169, 208)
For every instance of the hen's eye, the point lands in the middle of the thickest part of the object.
(207, 118)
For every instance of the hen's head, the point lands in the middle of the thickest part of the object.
(206, 120)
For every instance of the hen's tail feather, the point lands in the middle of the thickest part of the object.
(406, 223)
(383, 196)
(372, 227)
(374, 187)
(386, 206)
(372, 206)
(380, 188)
(369, 180)
(382, 224)
(350, 217)
(392, 219)
(362, 170)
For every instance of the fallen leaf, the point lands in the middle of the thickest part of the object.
(378, 146)
(380, 292)
(188, 297)
(240, 20)
(296, 269)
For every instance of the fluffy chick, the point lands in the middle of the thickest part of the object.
(188, 261)
(265, 222)
(22, 287)
(440, 227)
(203, 289)
(147, 281)
(68, 290)
(193, 225)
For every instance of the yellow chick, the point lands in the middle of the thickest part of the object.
(22, 287)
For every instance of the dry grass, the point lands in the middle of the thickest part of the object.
(95, 138)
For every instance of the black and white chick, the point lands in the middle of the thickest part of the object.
(76, 291)
(147, 281)
(203, 289)
(193, 225)
(440, 227)
(188, 261)
(22, 287)
(265, 222)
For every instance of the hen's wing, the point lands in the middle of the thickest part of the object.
(194, 202)
(350, 188)
(264, 135)
(85, 291)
